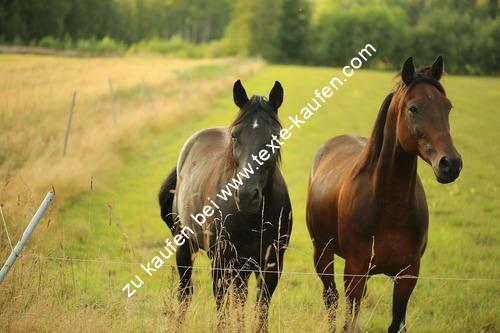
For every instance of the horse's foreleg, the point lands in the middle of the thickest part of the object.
(403, 287)
(267, 281)
(184, 265)
(266, 284)
(323, 262)
(240, 295)
(355, 278)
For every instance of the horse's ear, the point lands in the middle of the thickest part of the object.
(239, 94)
(437, 68)
(408, 71)
(276, 95)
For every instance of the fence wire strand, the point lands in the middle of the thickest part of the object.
(5, 226)
(395, 277)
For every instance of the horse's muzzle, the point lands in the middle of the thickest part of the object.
(448, 169)
(248, 200)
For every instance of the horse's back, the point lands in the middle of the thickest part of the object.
(334, 159)
(199, 159)
(201, 144)
(336, 153)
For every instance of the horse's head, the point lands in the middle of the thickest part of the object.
(251, 131)
(423, 124)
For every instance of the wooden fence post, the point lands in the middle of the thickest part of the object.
(113, 102)
(148, 94)
(68, 125)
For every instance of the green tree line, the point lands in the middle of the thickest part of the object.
(124, 20)
(466, 32)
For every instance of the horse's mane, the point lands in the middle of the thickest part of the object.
(377, 138)
(422, 75)
(255, 104)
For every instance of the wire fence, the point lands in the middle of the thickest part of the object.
(303, 273)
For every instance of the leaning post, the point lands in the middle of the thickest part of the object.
(16, 251)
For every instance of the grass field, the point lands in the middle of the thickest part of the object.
(115, 225)
(36, 94)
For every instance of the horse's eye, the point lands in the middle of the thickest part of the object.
(234, 138)
(413, 109)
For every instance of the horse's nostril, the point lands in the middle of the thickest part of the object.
(444, 164)
(450, 166)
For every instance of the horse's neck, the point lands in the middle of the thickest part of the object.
(393, 171)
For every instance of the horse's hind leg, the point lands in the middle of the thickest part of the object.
(221, 281)
(402, 290)
(184, 261)
(323, 261)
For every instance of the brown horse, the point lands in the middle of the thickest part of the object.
(366, 202)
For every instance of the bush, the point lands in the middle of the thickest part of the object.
(487, 48)
(157, 45)
(109, 45)
(448, 33)
(174, 46)
(85, 45)
(67, 42)
(50, 42)
(469, 45)
(106, 45)
(341, 34)
(219, 48)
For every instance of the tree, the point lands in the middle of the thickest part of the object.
(343, 33)
(294, 30)
(254, 28)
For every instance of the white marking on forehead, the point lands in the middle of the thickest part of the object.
(255, 124)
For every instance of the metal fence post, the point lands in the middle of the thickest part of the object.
(26, 235)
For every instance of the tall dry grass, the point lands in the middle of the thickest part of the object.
(35, 96)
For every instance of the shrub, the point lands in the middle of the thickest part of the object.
(342, 33)
(106, 45)
(219, 48)
(487, 48)
(109, 45)
(163, 46)
(176, 46)
(50, 42)
(85, 45)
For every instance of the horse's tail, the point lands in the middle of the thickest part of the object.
(166, 198)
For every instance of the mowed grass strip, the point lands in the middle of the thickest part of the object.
(119, 221)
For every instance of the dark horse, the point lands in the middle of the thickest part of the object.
(366, 202)
(244, 233)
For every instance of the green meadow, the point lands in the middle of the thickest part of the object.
(114, 225)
